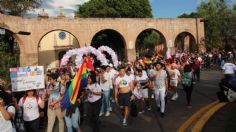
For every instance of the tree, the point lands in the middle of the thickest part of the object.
(147, 41)
(18, 7)
(115, 8)
(190, 15)
(219, 22)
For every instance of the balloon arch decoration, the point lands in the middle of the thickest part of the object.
(80, 52)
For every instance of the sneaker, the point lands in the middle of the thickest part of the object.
(101, 114)
(107, 113)
(176, 96)
(162, 115)
(141, 112)
(149, 108)
(173, 98)
(189, 106)
(124, 123)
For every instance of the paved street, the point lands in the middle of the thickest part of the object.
(176, 112)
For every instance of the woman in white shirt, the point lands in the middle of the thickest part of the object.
(31, 104)
(7, 113)
(94, 93)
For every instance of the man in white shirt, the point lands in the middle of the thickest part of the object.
(229, 70)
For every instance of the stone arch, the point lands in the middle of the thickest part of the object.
(162, 43)
(185, 41)
(58, 41)
(120, 48)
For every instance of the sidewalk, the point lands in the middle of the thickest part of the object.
(223, 120)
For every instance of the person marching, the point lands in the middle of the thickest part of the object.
(31, 104)
(123, 88)
(160, 87)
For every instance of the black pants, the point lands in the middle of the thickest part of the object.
(32, 126)
(188, 90)
(93, 114)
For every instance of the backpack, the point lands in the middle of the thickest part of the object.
(187, 79)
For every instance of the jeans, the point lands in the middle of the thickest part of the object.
(229, 76)
(106, 102)
(160, 98)
(52, 115)
(73, 121)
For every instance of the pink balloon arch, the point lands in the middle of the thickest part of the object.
(79, 52)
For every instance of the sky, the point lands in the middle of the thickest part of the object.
(160, 8)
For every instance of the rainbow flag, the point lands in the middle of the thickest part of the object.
(147, 61)
(79, 82)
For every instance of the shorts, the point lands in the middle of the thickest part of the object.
(144, 93)
(174, 83)
(124, 99)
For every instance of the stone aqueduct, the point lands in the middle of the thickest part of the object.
(85, 29)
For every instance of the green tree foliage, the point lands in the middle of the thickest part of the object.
(18, 7)
(9, 55)
(191, 15)
(115, 8)
(215, 12)
(220, 23)
(147, 41)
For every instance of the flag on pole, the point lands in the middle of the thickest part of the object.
(79, 82)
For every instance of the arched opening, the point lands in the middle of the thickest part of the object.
(150, 42)
(9, 53)
(185, 41)
(53, 45)
(112, 39)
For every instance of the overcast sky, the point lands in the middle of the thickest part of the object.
(160, 8)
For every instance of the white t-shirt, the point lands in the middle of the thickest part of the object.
(95, 88)
(142, 79)
(6, 125)
(30, 108)
(229, 68)
(106, 86)
(122, 82)
(176, 74)
(131, 76)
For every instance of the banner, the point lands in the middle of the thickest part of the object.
(26, 78)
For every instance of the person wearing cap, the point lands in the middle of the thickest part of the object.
(160, 87)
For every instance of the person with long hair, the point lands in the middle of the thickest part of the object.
(160, 87)
(187, 83)
(30, 103)
(94, 93)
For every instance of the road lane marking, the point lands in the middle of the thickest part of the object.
(196, 115)
(202, 121)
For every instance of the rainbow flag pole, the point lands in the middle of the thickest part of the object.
(79, 82)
